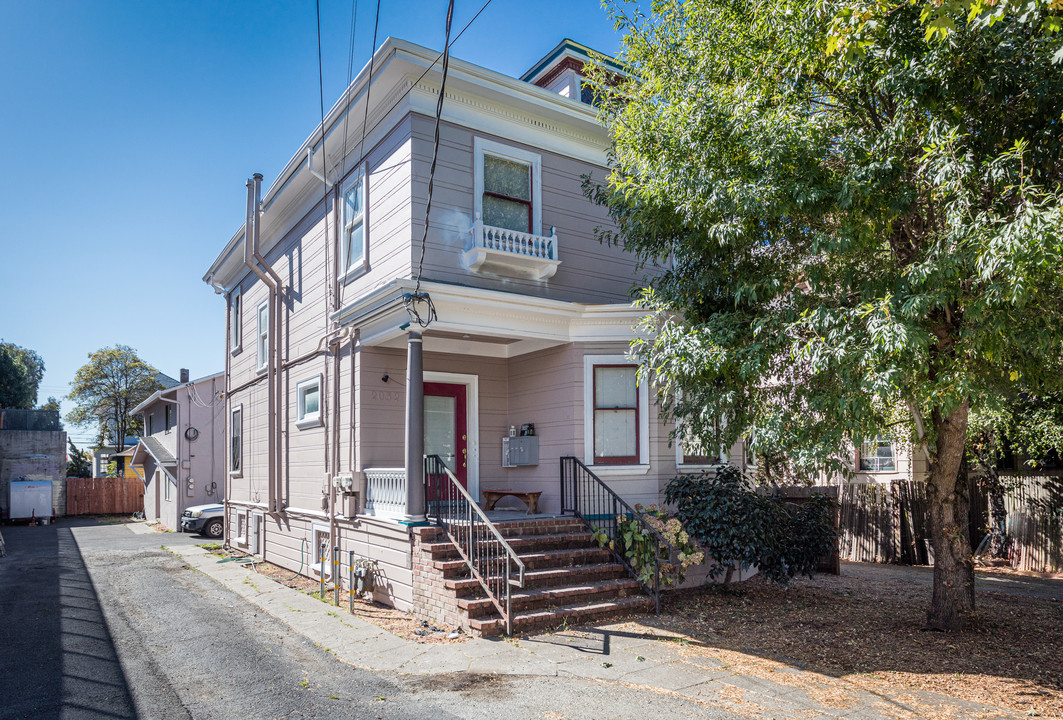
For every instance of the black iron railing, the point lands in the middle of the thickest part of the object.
(489, 557)
(607, 516)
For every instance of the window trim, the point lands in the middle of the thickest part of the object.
(483, 146)
(167, 493)
(238, 471)
(242, 517)
(642, 457)
(262, 336)
(316, 530)
(236, 321)
(346, 273)
(302, 420)
(860, 455)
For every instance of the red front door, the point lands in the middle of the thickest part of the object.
(445, 429)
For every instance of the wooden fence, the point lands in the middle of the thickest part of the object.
(104, 496)
(889, 523)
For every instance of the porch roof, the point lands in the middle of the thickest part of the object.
(486, 322)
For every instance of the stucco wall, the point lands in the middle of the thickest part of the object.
(33, 455)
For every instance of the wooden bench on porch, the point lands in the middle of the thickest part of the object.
(531, 499)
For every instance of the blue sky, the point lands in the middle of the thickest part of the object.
(129, 129)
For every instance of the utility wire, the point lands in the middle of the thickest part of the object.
(368, 96)
(417, 297)
(324, 155)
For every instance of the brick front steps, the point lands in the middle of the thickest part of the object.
(568, 579)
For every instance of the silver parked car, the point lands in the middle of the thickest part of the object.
(207, 520)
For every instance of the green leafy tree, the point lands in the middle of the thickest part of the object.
(53, 404)
(842, 234)
(107, 387)
(21, 371)
(80, 463)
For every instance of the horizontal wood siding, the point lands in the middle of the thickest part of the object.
(589, 272)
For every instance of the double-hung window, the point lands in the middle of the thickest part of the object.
(353, 238)
(308, 402)
(168, 417)
(616, 417)
(235, 320)
(263, 335)
(508, 187)
(236, 444)
(876, 456)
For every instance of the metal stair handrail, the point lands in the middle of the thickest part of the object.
(585, 495)
(489, 557)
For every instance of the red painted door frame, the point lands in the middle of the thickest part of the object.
(461, 431)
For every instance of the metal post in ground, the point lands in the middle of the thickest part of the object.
(321, 568)
(350, 582)
(336, 575)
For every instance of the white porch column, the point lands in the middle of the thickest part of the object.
(414, 429)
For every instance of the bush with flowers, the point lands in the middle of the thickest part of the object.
(636, 544)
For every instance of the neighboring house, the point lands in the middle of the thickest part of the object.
(104, 455)
(533, 317)
(32, 448)
(181, 456)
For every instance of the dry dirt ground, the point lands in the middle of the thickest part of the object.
(865, 628)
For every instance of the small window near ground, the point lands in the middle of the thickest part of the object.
(308, 401)
(877, 456)
(321, 536)
(236, 432)
(241, 527)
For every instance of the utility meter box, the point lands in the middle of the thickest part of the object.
(29, 499)
(520, 450)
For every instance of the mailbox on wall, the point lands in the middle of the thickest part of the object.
(520, 450)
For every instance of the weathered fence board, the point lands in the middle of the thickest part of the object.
(104, 496)
(889, 523)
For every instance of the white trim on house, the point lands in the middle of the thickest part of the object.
(240, 534)
(318, 531)
(643, 465)
(472, 420)
(537, 323)
(303, 419)
(482, 146)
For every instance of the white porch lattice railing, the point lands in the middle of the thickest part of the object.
(386, 492)
(511, 252)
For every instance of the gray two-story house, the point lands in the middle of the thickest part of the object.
(358, 345)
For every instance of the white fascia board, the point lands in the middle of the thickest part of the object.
(483, 99)
(536, 322)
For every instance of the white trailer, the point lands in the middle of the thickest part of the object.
(30, 499)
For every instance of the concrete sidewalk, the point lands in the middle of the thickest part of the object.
(605, 653)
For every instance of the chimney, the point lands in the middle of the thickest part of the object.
(184, 375)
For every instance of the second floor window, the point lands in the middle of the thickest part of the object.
(352, 240)
(508, 187)
(235, 320)
(168, 413)
(263, 336)
(151, 424)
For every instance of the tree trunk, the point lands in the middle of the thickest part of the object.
(998, 516)
(949, 501)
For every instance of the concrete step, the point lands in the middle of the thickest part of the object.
(561, 616)
(563, 558)
(551, 577)
(521, 544)
(526, 600)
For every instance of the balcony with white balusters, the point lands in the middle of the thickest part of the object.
(511, 253)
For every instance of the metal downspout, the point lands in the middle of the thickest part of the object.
(274, 351)
(250, 228)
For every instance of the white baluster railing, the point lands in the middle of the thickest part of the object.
(511, 252)
(516, 242)
(386, 492)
